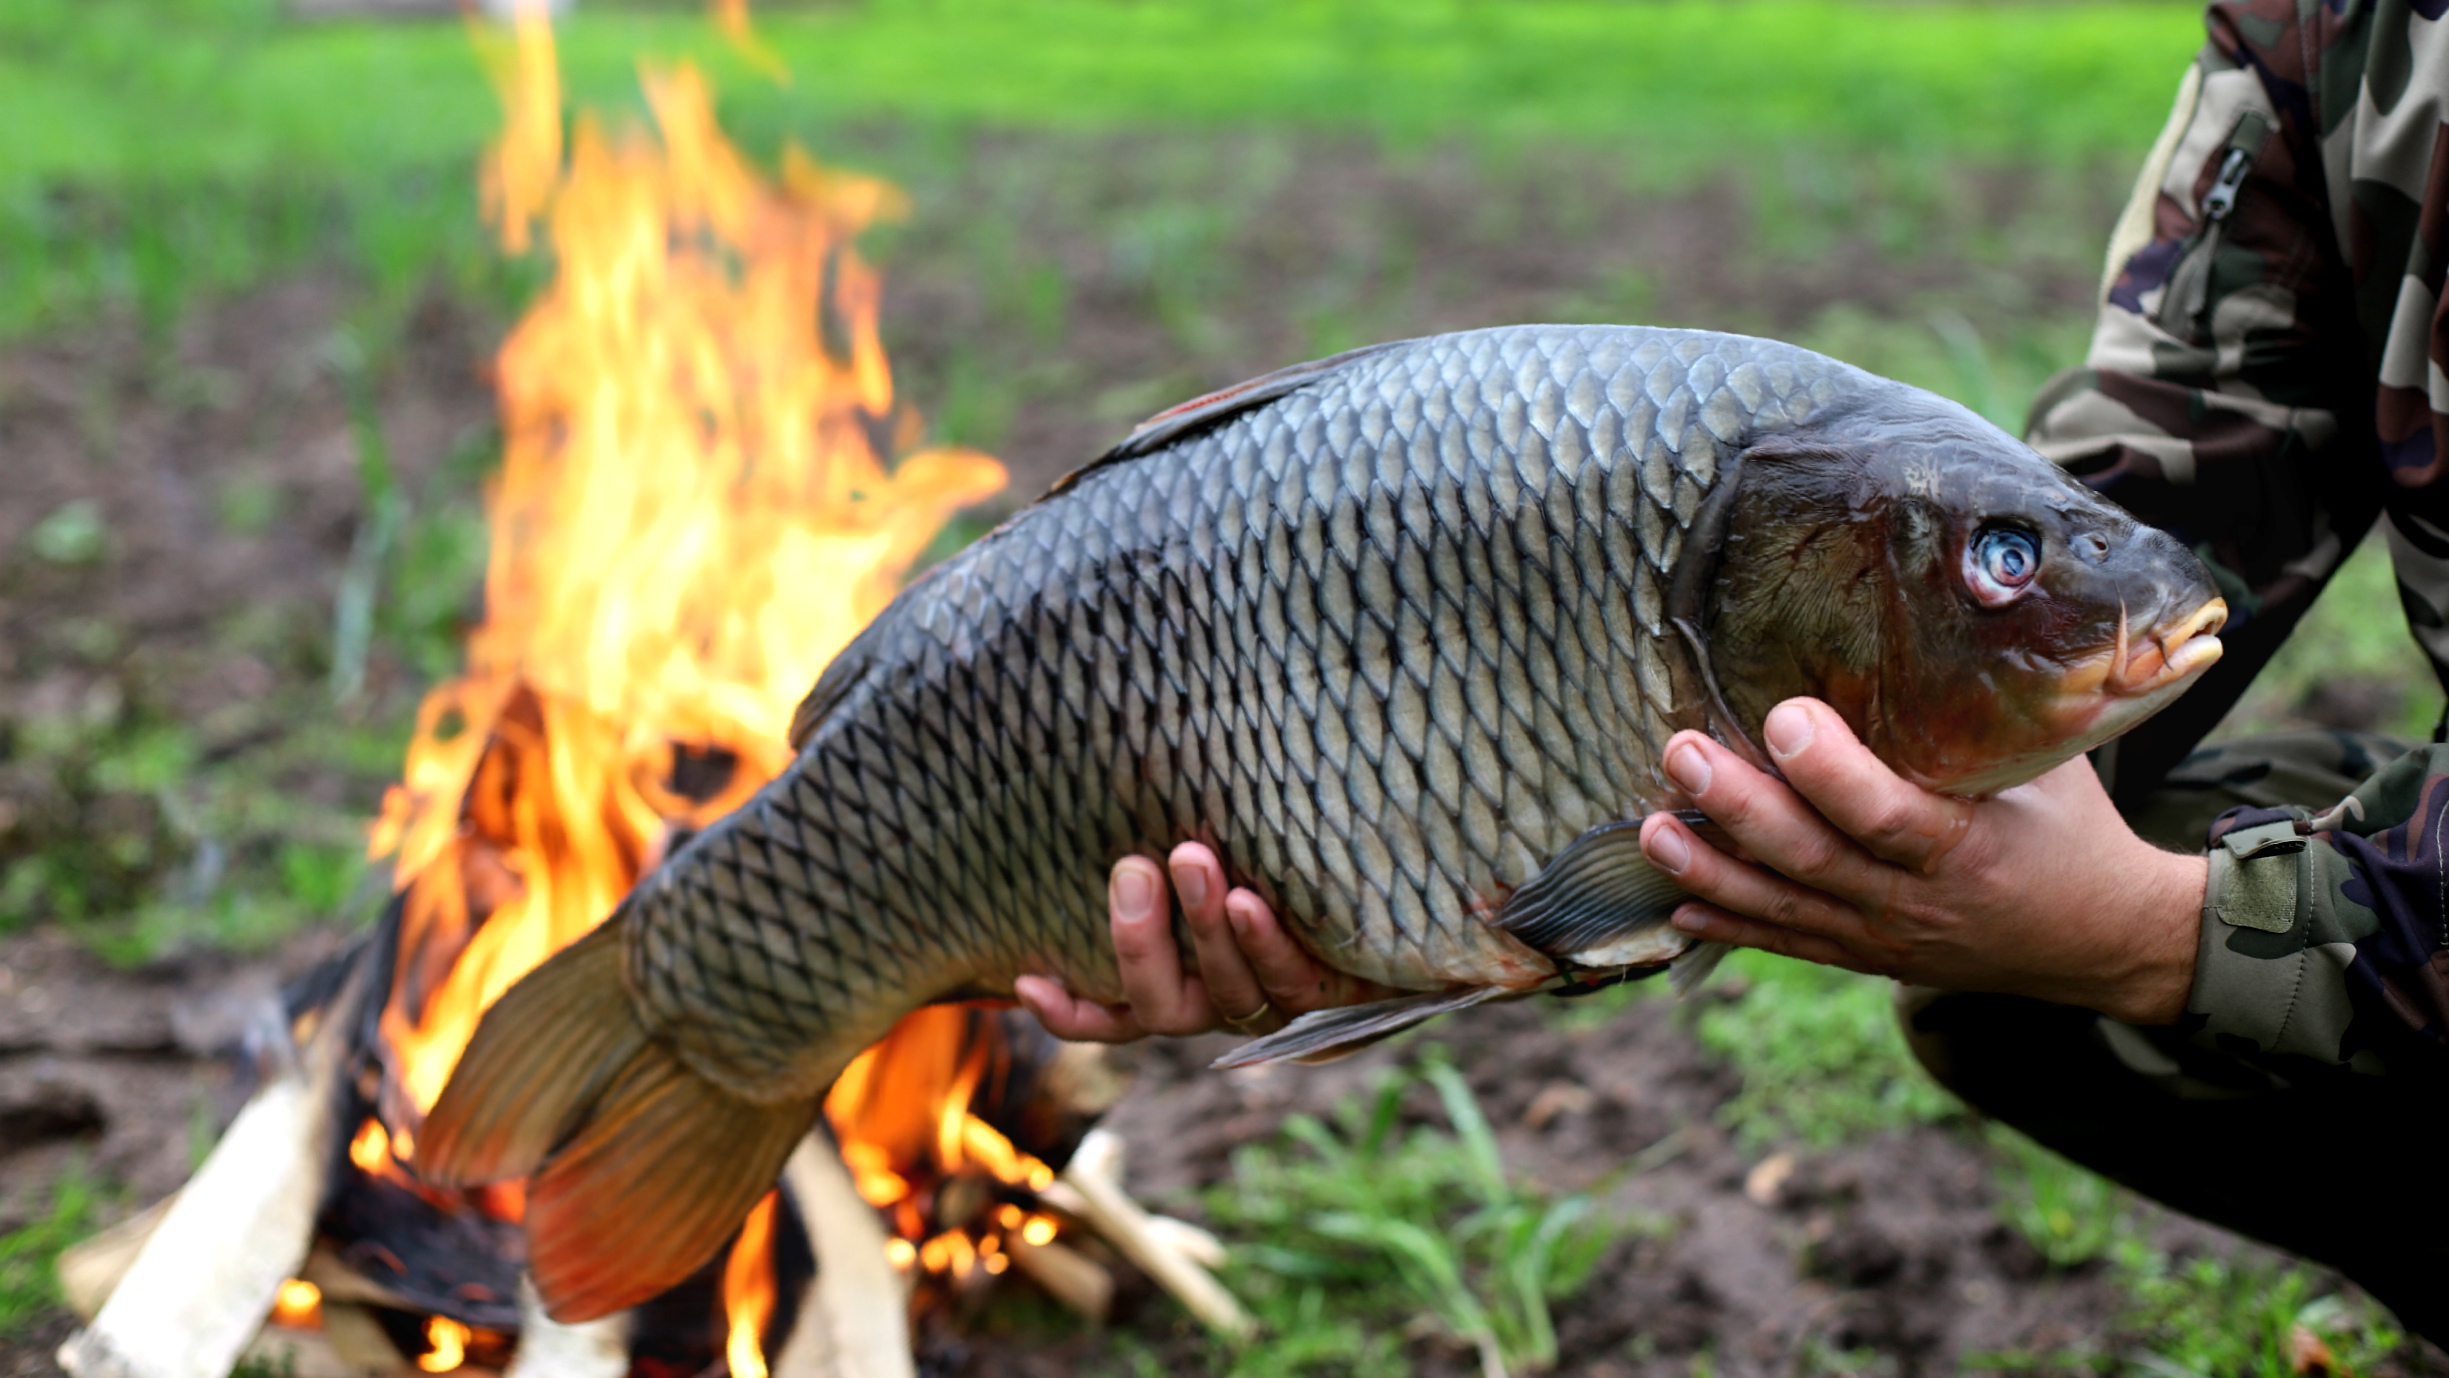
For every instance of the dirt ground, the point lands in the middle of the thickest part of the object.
(188, 609)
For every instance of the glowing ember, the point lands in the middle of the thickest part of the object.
(371, 1149)
(446, 1345)
(902, 1112)
(298, 1305)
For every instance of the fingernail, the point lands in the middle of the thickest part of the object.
(1668, 849)
(1689, 769)
(1689, 920)
(1133, 895)
(1190, 882)
(1788, 729)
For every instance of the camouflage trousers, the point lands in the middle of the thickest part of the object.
(2335, 1166)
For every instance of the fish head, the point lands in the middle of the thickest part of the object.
(1978, 615)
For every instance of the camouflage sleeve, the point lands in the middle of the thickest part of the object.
(2325, 938)
(2224, 386)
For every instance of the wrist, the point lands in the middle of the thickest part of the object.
(2161, 920)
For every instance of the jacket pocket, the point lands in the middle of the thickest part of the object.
(2185, 303)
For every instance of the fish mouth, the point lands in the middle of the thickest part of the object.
(2172, 651)
(2109, 692)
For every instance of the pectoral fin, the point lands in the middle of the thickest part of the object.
(1687, 972)
(1599, 903)
(1323, 1035)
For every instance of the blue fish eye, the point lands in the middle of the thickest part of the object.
(2004, 559)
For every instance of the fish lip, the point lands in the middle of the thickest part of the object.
(2173, 650)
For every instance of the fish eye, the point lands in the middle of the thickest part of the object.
(1999, 562)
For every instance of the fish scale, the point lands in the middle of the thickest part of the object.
(1401, 633)
(1391, 641)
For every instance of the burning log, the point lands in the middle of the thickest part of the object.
(213, 1263)
(549, 1349)
(854, 1317)
(1069, 1276)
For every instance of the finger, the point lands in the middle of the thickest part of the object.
(1709, 874)
(1232, 989)
(1771, 822)
(1067, 1016)
(1162, 998)
(1710, 924)
(1295, 982)
(1827, 764)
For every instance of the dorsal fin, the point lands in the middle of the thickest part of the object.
(844, 672)
(1216, 408)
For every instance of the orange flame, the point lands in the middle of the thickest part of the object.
(298, 1305)
(446, 1345)
(902, 1112)
(693, 516)
(748, 1291)
(691, 519)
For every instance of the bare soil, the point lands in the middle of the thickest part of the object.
(1159, 270)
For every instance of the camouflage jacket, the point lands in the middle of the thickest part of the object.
(2268, 376)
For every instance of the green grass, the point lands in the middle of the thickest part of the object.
(29, 1284)
(161, 150)
(1820, 1054)
(1351, 1235)
(140, 847)
(225, 88)
(2203, 1316)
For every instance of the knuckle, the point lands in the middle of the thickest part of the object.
(1786, 909)
(1892, 818)
(1737, 808)
(1818, 853)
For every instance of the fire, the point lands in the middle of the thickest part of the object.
(371, 1149)
(298, 1305)
(692, 517)
(748, 1291)
(902, 1112)
(446, 1343)
(707, 489)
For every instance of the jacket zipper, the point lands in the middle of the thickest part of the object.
(2188, 294)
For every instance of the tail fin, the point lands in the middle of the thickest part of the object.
(640, 1167)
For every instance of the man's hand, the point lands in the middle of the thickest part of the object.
(2042, 890)
(1252, 976)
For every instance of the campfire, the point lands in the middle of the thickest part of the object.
(707, 488)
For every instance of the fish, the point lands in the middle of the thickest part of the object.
(1401, 634)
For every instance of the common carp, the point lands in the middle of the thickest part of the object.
(1401, 633)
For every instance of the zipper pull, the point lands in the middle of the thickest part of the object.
(2188, 293)
(2221, 198)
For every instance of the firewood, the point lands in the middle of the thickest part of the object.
(549, 1349)
(1069, 1276)
(1095, 1178)
(315, 1354)
(854, 1321)
(337, 1281)
(205, 1278)
(89, 1270)
(1189, 1240)
(357, 1338)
